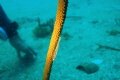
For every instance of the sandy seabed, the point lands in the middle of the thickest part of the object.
(89, 24)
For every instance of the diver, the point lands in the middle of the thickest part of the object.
(8, 30)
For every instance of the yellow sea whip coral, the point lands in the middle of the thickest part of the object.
(60, 17)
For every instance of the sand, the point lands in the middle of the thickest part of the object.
(88, 22)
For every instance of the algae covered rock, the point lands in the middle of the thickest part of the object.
(43, 30)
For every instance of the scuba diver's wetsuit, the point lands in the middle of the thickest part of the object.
(7, 28)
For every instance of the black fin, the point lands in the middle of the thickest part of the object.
(4, 20)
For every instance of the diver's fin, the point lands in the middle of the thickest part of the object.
(4, 20)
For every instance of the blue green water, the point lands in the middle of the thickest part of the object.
(89, 48)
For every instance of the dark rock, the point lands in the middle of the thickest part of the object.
(88, 67)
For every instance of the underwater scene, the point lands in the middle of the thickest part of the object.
(59, 39)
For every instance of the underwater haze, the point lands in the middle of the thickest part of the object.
(89, 48)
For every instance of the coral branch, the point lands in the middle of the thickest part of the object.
(60, 17)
